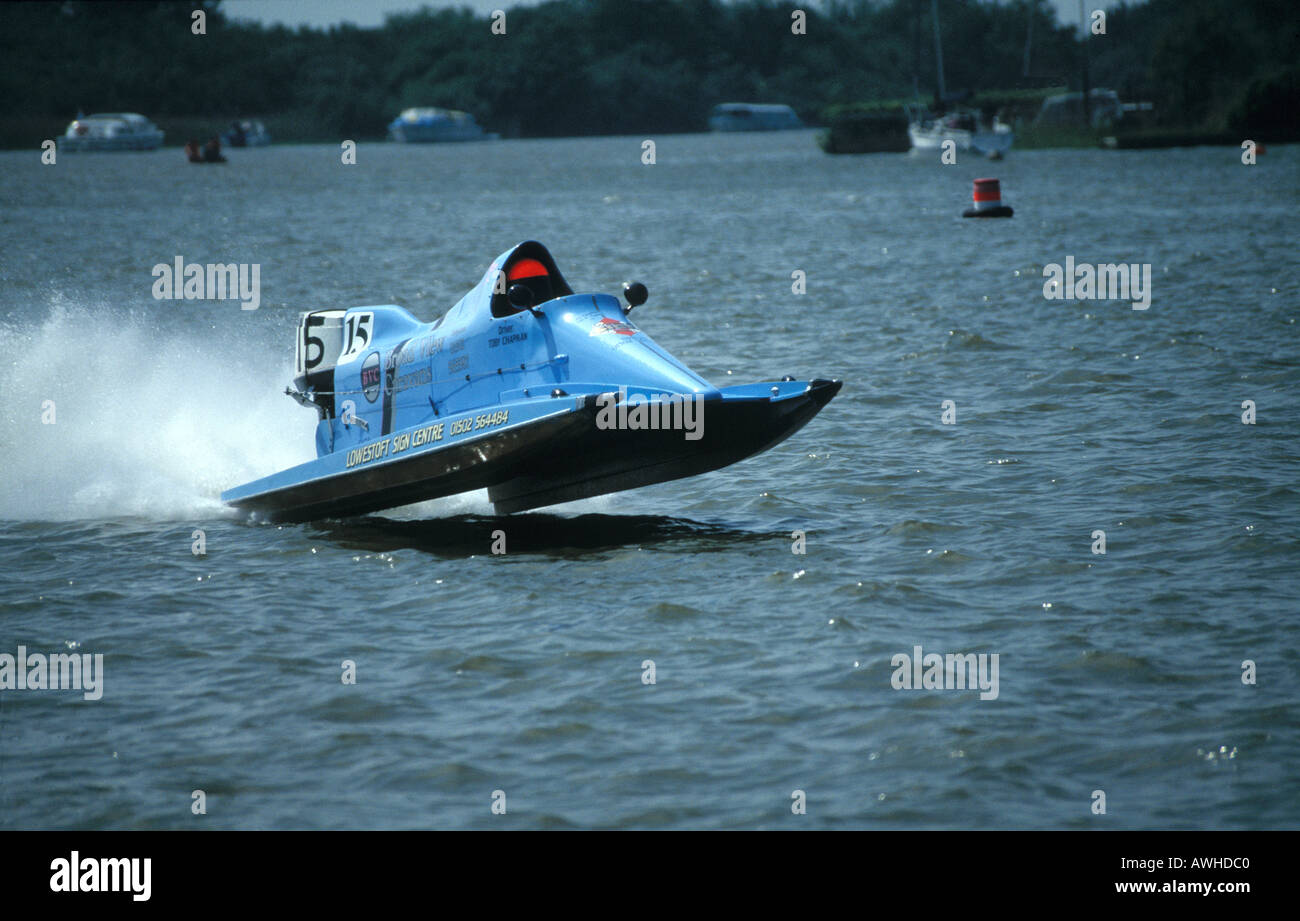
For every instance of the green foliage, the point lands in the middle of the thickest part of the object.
(1268, 108)
(569, 67)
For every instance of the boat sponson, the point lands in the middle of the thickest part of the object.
(474, 463)
(610, 460)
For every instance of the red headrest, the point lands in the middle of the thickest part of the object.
(526, 268)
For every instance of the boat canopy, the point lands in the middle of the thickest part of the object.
(751, 108)
(429, 113)
(132, 118)
(528, 263)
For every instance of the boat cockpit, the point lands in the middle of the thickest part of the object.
(532, 269)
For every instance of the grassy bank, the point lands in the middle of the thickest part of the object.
(1156, 138)
(1044, 137)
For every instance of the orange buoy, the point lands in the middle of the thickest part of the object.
(987, 196)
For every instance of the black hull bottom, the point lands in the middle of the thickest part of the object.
(551, 460)
(474, 464)
(605, 461)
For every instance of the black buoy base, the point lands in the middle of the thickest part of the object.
(1000, 211)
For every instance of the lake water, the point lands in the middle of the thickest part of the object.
(522, 672)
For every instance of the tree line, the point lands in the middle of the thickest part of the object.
(576, 67)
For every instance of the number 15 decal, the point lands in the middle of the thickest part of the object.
(356, 335)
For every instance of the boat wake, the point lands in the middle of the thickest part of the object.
(107, 416)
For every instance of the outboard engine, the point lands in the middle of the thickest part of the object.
(318, 346)
(346, 364)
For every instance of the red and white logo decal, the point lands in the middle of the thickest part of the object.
(609, 325)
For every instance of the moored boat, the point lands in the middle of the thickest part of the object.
(748, 116)
(434, 125)
(965, 128)
(111, 131)
(246, 134)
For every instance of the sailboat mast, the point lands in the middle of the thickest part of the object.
(1029, 36)
(938, 45)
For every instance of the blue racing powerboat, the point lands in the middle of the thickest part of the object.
(524, 388)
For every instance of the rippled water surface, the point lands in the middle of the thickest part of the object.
(523, 673)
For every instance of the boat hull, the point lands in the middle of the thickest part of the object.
(249, 140)
(738, 425)
(561, 449)
(98, 144)
(984, 142)
(438, 134)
